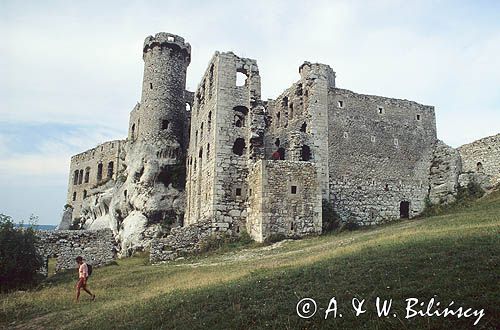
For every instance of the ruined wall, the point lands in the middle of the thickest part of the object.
(181, 241)
(97, 247)
(483, 157)
(284, 199)
(91, 169)
(221, 137)
(298, 120)
(380, 151)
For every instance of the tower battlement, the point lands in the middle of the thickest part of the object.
(168, 40)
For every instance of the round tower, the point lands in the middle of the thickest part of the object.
(163, 108)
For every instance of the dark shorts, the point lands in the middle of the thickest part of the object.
(81, 283)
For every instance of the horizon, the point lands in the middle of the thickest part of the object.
(72, 75)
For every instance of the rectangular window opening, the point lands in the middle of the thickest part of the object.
(293, 190)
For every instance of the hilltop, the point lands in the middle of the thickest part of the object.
(454, 256)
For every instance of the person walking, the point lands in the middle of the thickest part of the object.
(83, 275)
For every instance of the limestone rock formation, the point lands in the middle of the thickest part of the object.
(444, 171)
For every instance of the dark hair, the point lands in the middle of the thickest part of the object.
(79, 258)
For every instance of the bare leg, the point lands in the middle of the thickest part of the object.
(77, 293)
(84, 287)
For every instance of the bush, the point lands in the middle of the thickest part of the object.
(19, 258)
(350, 225)
(224, 241)
(273, 238)
(330, 218)
(464, 197)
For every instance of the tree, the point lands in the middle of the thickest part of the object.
(19, 258)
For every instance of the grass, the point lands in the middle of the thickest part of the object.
(454, 256)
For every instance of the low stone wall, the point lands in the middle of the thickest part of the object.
(181, 240)
(97, 247)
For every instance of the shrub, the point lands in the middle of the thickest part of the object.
(330, 218)
(350, 225)
(19, 258)
(273, 238)
(464, 197)
(224, 241)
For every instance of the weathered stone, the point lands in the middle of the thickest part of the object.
(97, 247)
(222, 160)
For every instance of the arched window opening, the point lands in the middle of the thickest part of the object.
(150, 85)
(200, 153)
(281, 152)
(99, 172)
(75, 177)
(201, 129)
(241, 78)
(305, 153)
(284, 102)
(210, 80)
(84, 194)
(238, 120)
(87, 175)
(110, 169)
(239, 146)
(80, 177)
(303, 128)
(208, 150)
(240, 115)
(74, 196)
(479, 167)
(277, 142)
(278, 116)
(188, 107)
(209, 121)
(164, 124)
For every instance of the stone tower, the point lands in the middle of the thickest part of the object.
(162, 112)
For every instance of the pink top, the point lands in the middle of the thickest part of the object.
(83, 271)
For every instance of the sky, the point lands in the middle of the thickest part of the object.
(71, 71)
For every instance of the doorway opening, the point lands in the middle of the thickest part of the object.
(404, 210)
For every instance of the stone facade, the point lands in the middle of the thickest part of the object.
(482, 157)
(220, 160)
(91, 169)
(97, 247)
(284, 198)
(380, 150)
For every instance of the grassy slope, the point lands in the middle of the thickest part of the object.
(453, 257)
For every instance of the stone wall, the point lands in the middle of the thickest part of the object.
(284, 199)
(483, 157)
(181, 241)
(97, 247)
(91, 169)
(380, 151)
(222, 128)
(298, 120)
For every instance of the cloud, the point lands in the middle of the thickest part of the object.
(71, 73)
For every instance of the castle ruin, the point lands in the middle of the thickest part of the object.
(221, 159)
